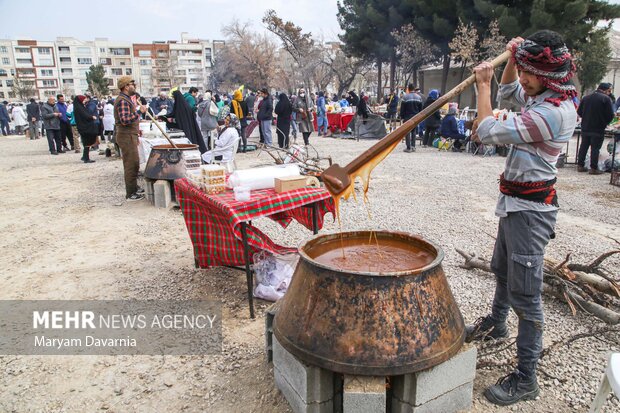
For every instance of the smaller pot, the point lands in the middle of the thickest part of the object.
(166, 161)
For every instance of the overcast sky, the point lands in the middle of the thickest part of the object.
(141, 21)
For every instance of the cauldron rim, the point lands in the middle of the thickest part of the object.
(438, 251)
(180, 146)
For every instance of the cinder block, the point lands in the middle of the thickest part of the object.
(148, 190)
(457, 400)
(299, 405)
(269, 316)
(364, 394)
(309, 385)
(418, 388)
(162, 195)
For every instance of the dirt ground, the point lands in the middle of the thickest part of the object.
(69, 234)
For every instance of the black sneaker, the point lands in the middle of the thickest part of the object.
(485, 328)
(513, 388)
(135, 197)
(140, 190)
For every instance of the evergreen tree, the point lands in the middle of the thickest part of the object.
(592, 61)
(97, 82)
(368, 27)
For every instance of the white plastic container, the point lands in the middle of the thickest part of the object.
(242, 193)
(145, 127)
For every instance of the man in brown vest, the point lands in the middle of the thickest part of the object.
(126, 123)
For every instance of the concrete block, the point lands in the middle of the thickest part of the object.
(269, 316)
(162, 194)
(418, 388)
(302, 384)
(456, 400)
(299, 405)
(148, 190)
(364, 394)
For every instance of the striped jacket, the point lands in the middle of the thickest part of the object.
(537, 138)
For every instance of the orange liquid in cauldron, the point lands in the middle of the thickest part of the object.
(362, 255)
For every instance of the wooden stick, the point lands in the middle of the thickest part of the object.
(153, 121)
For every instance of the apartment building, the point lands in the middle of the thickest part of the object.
(49, 68)
(7, 70)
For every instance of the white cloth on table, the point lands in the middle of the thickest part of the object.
(144, 149)
(224, 146)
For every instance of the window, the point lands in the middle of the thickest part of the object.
(3, 49)
(66, 71)
(65, 60)
(6, 61)
(24, 61)
(3, 72)
(105, 61)
(22, 50)
(122, 63)
(145, 72)
(67, 81)
(144, 53)
(26, 72)
(128, 71)
(46, 62)
(102, 50)
(85, 61)
(145, 62)
(2, 95)
(9, 83)
(63, 49)
(47, 73)
(83, 50)
(44, 50)
(119, 51)
(110, 82)
(117, 72)
(49, 83)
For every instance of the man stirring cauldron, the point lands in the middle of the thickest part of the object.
(538, 78)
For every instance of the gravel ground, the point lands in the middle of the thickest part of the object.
(69, 234)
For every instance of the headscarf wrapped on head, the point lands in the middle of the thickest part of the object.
(553, 67)
(238, 97)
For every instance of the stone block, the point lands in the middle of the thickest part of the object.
(294, 399)
(162, 194)
(148, 190)
(418, 388)
(269, 316)
(364, 394)
(456, 400)
(302, 384)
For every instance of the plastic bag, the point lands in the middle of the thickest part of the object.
(273, 274)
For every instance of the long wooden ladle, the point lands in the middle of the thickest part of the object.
(339, 181)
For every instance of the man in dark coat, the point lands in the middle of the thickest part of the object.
(4, 118)
(410, 105)
(51, 119)
(596, 111)
(265, 115)
(34, 117)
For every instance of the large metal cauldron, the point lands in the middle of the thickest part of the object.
(370, 323)
(166, 161)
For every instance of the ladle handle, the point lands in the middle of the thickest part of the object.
(162, 131)
(406, 127)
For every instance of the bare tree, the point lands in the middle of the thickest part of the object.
(464, 46)
(300, 46)
(23, 89)
(247, 58)
(414, 52)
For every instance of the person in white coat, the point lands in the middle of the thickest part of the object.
(19, 118)
(224, 147)
(108, 119)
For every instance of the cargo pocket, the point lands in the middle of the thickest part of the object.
(527, 274)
